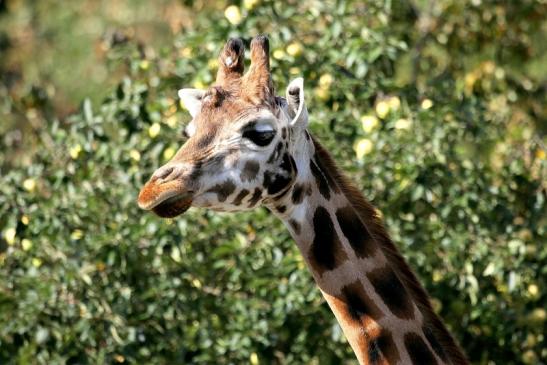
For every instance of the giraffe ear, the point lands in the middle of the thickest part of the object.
(297, 106)
(191, 99)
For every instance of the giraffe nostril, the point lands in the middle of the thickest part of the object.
(164, 173)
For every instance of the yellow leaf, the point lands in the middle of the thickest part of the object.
(538, 315)
(489, 67)
(382, 109)
(74, 151)
(437, 276)
(249, 4)
(135, 155)
(172, 121)
(294, 70)
(469, 81)
(426, 104)
(529, 357)
(168, 153)
(436, 304)
(321, 93)
(533, 290)
(278, 54)
(254, 359)
(36, 262)
(175, 255)
(403, 124)
(363, 147)
(369, 123)
(325, 80)
(77, 234)
(394, 103)
(144, 64)
(9, 235)
(294, 49)
(212, 64)
(185, 52)
(154, 130)
(233, 14)
(26, 244)
(119, 358)
(29, 184)
(196, 283)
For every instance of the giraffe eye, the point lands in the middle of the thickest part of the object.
(259, 135)
(260, 138)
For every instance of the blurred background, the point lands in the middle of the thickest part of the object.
(437, 109)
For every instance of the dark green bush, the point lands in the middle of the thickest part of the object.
(437, 111)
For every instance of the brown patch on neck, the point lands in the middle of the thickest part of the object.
(372, 344)
(418, 351)
(356, 233)
(360, 306)
(392, 292)
(326, 252)
(384, 342)
(369, 218)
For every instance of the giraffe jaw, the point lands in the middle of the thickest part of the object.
(173, 206)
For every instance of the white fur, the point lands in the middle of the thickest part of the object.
(297, 110)
(191, 99)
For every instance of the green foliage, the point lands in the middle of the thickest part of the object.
(436, 111)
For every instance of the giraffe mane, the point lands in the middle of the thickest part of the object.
(374, 224)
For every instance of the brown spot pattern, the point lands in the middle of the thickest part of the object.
(321, 180)
(359, 304)
(355, 231)
(418, 351)
(239, 198)
(276, 153)
(298, 194)
(250, 170)
(326, 251)
(223, 190)
(275, 183)
(330, 180)
(392, 292)
(295, 225)
(257, 194)
(434, 343)
(387, 346)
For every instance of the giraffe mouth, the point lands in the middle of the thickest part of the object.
(167, 200)
(173, 206)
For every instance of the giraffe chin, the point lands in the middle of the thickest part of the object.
(172, 207)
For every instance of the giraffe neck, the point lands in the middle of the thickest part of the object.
(382, 309)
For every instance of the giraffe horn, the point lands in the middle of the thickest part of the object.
(231, 62)
(258, 80)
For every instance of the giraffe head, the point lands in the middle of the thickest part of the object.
(242, 140)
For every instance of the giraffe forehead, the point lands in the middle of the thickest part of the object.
(222, 107)
(225, 122)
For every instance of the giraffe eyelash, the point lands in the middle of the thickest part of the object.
(260, 138)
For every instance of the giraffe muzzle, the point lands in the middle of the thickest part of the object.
(167, 199)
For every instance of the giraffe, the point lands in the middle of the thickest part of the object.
(248, 147)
